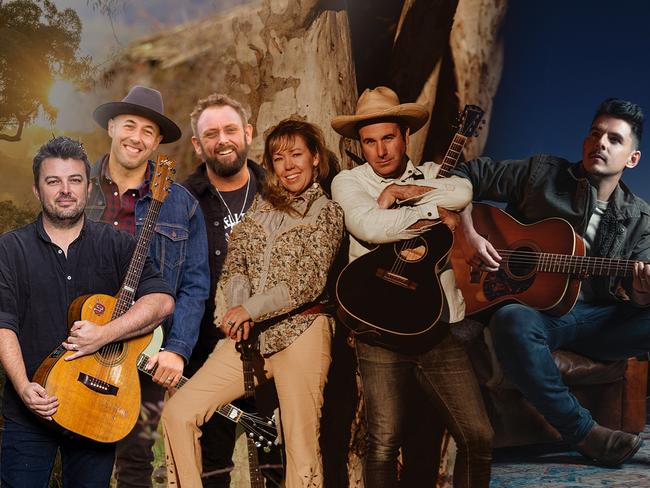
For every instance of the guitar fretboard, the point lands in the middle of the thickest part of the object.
(452, 156)
(130, 285)
(568, 264)
(229, 411)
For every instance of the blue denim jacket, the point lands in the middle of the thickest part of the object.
(179, 248)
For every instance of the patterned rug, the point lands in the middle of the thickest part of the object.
(532, 467)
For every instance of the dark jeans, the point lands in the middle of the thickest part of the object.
(134, 454)
(445, 376)
(28, 455)
(524, 339)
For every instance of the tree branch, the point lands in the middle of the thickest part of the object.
(16, 137)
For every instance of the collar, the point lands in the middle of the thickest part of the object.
(410, 173)
(43, 235)
(201, 184)
(100, 174)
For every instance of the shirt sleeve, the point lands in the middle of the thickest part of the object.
(317, 254)
(193, 289)
(8, 290)
(233, 286)
(367, 222)
(500, 181)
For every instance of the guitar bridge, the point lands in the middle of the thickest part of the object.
(396, 279)
(97, 385)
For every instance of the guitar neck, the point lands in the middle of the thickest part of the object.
(126, 294)
(568, 264)
(452, 156)
(229, 411)
(257, 480)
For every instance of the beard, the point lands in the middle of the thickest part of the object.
(224, 166)
(63, 218)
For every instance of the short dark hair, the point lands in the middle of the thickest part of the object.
(627, 111)
(60, 147)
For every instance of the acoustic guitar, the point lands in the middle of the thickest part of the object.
(542, 264)
(99, 394)
(392, 294)
(261, 429)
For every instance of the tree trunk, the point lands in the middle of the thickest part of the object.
(279, 58)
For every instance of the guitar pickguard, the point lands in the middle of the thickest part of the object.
(499, 284)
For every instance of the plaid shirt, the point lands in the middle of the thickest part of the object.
(120, 211)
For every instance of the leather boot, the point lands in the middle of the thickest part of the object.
(608, 447)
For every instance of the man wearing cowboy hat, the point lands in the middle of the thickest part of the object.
(369, 194)
(121, 197)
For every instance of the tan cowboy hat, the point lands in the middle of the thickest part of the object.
(382, 102)
(145, 102)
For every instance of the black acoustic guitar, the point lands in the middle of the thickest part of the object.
(392, 294)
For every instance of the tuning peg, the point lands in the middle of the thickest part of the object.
(258, 445)
(266, 449)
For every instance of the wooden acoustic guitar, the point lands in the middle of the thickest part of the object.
(259, 428)
(392, 294)
(542, 263)
(99, 394)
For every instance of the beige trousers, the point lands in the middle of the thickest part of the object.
(300, 373)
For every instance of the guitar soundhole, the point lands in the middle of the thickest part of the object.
(521, 264)
(112, 354)
(411, 251)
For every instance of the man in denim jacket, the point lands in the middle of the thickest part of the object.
(611, 319)
(121, 197)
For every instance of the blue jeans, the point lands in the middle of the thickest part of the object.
(444, 374)
(28, 455)
(524, 339)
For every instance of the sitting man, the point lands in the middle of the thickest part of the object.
(610, 320)
(440, 368)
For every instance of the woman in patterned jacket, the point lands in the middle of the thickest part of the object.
(272, 287)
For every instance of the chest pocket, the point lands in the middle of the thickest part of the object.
(169, 248)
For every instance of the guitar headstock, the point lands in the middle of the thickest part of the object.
(163, 177)
(470, 121)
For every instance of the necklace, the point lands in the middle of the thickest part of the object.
(232, 218)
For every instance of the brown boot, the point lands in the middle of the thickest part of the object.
(609, 447)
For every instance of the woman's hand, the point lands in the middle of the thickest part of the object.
(236, 323)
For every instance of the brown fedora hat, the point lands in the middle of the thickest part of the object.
(145, 102)
(380, 103)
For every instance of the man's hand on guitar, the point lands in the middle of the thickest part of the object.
(85, 338)
(236, 323)
(38, 401)
(169, 370)
(449, 218)
(478, 251)
(389, 196)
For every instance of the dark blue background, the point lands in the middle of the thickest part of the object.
(562, 58)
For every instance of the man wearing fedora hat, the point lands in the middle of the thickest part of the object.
(121, 197)
(369, 194)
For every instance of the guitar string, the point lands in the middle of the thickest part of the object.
(552, 261)
(448, 163)
(111, 351)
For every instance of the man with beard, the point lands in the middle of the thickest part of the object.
(121, 197)
(225, 185)
(43, 267)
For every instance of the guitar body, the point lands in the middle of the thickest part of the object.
(99, 394)
(393, 292)
(518, 279)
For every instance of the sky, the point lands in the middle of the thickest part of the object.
(562, 58)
